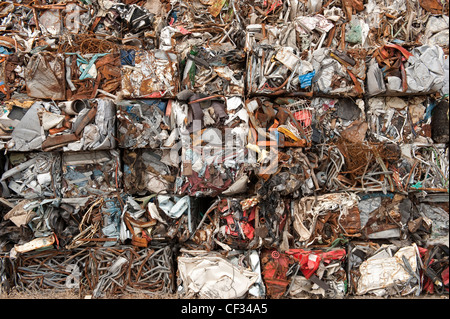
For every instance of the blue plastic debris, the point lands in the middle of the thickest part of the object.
(306, 79)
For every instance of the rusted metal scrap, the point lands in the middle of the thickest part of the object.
(98, 271)
(90, 173)
(116, 271)
(150, 74)
(323, 221)
(275, 266)
(145, 171)
(280, 148)
(92, 74)
(318, 272)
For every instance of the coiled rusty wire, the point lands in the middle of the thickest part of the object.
(87, 44)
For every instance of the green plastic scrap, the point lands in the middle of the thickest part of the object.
(354, 35)
(340, 240)
(192, 74)
(193, 69)
(417, 185)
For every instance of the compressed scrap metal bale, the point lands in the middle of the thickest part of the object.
(313, 24)
(278, 60)
(44, 76)
(223, 172)
(228, 224)
(46, 218)
(30, 224)
(280, 70)
(95, 132)
(357, 161)
(112, 271)
(90, 173)
(134, 23)
(326, 220)
(144, 124)
(361, 163)
(358, 251)
(217, 69)
(394, 70)
(234, 275)
(51, 269)
(89, 74)
(339, 73)
(212, 153)
(396, 216)
(400, 22)
(149, 74)
(386, 270)
(98, 271)
(318, 272)
(428, 168)
(139, 221)
(241, 223)
(420, 270)
(21, 125)
(144, 171)
(158, 218)
(373, 23)
(101, 222)
(32, 175)
(212, 60)
(92, 126)
(152, 271)
(282, 122)
(151, 124)
(70, 125)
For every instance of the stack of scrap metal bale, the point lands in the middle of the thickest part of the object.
(225, 148)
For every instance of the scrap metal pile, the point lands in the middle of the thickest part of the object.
(225, 148)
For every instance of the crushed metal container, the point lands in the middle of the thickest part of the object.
(240, 270)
